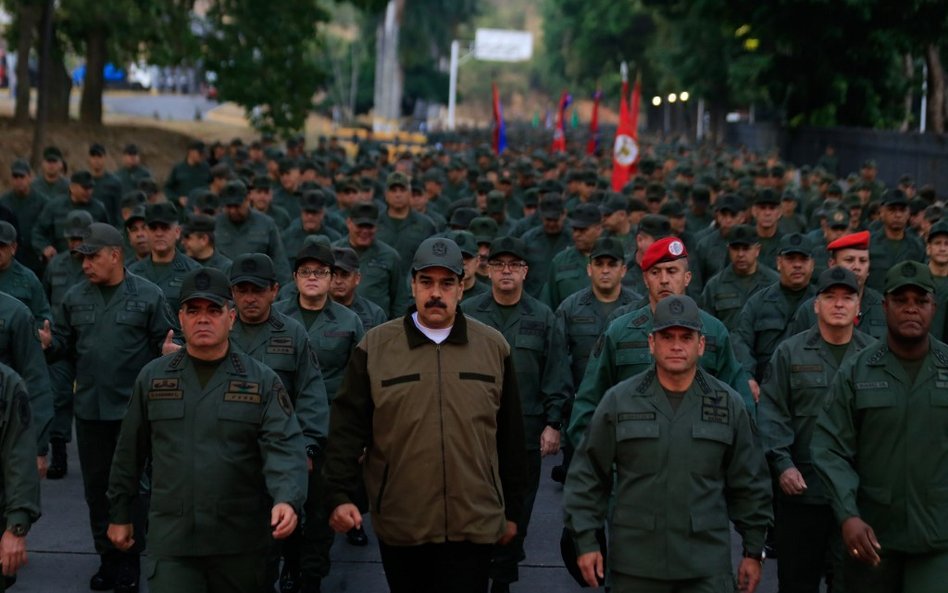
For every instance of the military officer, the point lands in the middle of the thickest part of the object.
(766, 212)
(47, 237)
(131, 171)
(877, 447)
(545, 241)
(261, 199)
(227, 455)
(937, 250)
(617, 223)
(52, 181)
(109, 325)
(107, 188)
(568, 270)
(651, 228)
(19, 281)
(345, 281)
(470, 251)
(137, 247)
(538, 350)
(26, 203)
(165, 266)
(400, 227)
(197, 238)
(240, 229)
(891, 243)
(794, 390)
(687, 464)
(191, 173)
(712, 247)
(379, 264)
(310, 223)
(622, 350)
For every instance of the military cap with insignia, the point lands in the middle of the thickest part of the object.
(234, 193)
(794, 243)
(99, 236)
(676, 311)
(397, 178)
(837, 276)
(655, 226)
(255, 268)
(7, 233)
(438, 252)
(934, 213)
(894, 197)
(364, 213)
(205, 283)
(909, 273)
(608, 247)
(198, 223)
(584, 216)
(484, 229)
(509, 246)
(161, 213)
(466, 242)
(137, 214)
(346, 259)
(311, 250)
(858, 240)
(939, 228)
(662, 251)
(743, 234)
(838, 218)
(77, 224)
(82, 179)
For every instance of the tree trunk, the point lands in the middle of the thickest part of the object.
(936, 90)
(90, 107)
(60, 85)
(30, 13)
(908, 70)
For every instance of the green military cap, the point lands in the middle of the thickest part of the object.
(461, 217)
(837, 276)
(838, 218)
(234, 193)
(77, 224)
(551, 186)
(655, 226)
(99, 236)
(347, 184)
(484, 229)
(894, 197)
(852, 201)
(934, 213)
(484, 185)
(438, 252)
(916, 205)
(835, 189)
(456, 165)
(743, 234)
(83, 179)
(869, 164)
(320, 239)
(507, 245)
(20, 167)
(466, 242)
(676, 311)
(433, 175)
(417, 187)
(584, 216)
(767, 196)
(909, 273)
(794, 243)
(939, 228)
(220, 171)
(613, 202)
(196, 145)
(205, 283)
(346, 258)
(255, 268)
(608, 247)
(732, 203)
(261, 183)
(654, 192)
(137, 213)
(7, 233)
(927, 193)
(315, 251)
(531, 197)
(364, 213)
(198, 223)
(551, 206)
(777, 171)
(574, 176)
(637, 205)
(52, 153)
(701, 194)
(397, 178)
(131, 149)
(313, 200)
(672, 209)
(790, 196)
(161, 213)
(496, 202)
(906, 180)
(286, 165)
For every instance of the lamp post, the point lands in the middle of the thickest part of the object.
(683, 97)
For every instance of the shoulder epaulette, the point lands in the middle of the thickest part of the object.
(178, 359)
(940, 355)
(640, 320)
(702, 382)
(237, 364)
(646, 381)
(876, 357)
(275, 321)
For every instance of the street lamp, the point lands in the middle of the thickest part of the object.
(683, 95)
(656, 100)
(672, 98)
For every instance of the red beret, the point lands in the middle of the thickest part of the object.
(852, 241)
(663, 250)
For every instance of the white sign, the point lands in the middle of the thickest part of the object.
(499, 45)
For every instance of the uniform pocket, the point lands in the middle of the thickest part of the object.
(132, 318)
(710, 443)
(165, 410)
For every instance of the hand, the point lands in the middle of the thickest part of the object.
(792, 482)
(345, 517)
(748, 575)
(510, 531)
(860, 541)
(45, 335)
(12, 553)
(590, 564)
(121, 535)
(755, 389)
(549, 441)
(168, 346)
(49, 252)
(309, 465)
(283, 520)
(41, 466)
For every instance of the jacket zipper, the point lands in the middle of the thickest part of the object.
(444, 465)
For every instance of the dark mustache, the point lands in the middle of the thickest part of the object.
(435, 304)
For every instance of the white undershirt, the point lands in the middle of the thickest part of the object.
(435, 335)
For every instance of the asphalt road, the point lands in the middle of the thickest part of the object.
(61, 556)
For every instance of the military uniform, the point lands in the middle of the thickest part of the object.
(185, 178)
(726, 292)
(20, 282)
(108, 191)
(130, 176)
(257, 234)
(51, 224)
(884, 254)
(567, 276)
(542, 248)
(871, 319)
(216, 261)
(382, 281)
(369, 313)
(166, 276)
(404, 236)
(222, 454)
(27, 209)
(56, 189)
(294, 236)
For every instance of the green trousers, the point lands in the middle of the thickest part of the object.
(898, 573)
(624, 583)
(233, 573)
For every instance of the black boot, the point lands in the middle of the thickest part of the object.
(104, 578)
(290, 577)
(58, 465)
(129, 574)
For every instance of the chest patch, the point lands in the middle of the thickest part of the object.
(281, 345)
(165, 389)
(636, 416)
(714, 408)
(245, 392)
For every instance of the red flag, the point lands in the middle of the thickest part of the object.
(500, 131)
(559, 132)
(592, 145)
(625, 153)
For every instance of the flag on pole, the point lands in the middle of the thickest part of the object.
(559, 132)
(500, 130)
(625, 152)
(592, 145)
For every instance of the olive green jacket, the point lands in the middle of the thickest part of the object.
(725, 293)
(257, 234)
(20, 282)
(19, 486)
(382, 281)
(27, 208)
(871, 320)
(50, 227)
(222, 456)
(168, 277)
(567, 276)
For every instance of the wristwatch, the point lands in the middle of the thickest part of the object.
(18, 529)
(312, 451)
(760, 557)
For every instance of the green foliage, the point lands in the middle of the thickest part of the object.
(260, 52)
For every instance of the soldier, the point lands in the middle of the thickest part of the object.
(343, 289)
(891, 244)
(288, 173)
(470, 251)
(622, 350)
(400, 227)
(47, 237)
(26, 203)
(538, 351)
(764, 319)
(852, 252)
(240, 229)
(191, 173)
(108, 188)
(197, 238)
(835, 224)
(218, 426)
(766, 212)
(568, 270)
(726, 292)
(444, 459)
(379, 265)
(497, 209)
(310, 223)
(712, 248)
(109, 326)
(19, 281)
(52, 182)
(616, 222)
(261, 198)
(419, 203)
(545, 241)
(937, 251)
(21, 489)
(651, 228)
(63, 272)
(131, 171)
(165, 265)
(876, 446)
(687, 462)
(794, 390)
(137, 247)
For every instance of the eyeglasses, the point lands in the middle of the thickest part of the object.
(513, 266)
(314, 273)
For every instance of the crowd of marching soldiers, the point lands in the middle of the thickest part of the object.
(317, 242)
